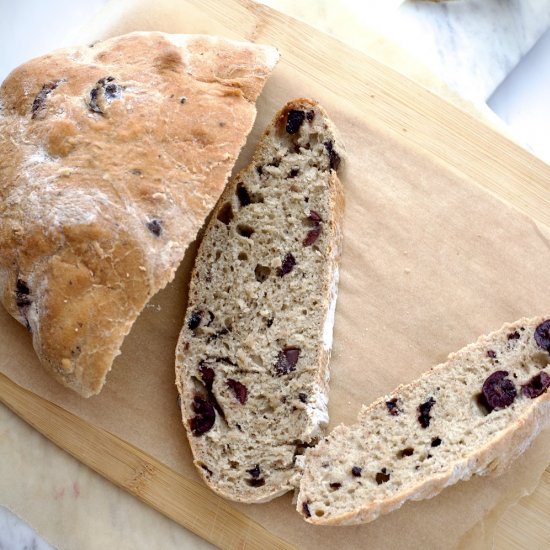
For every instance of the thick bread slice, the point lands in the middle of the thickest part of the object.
(111, 157)
(458, 420)
(252, 358)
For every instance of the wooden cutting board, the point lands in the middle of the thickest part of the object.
(426, 121)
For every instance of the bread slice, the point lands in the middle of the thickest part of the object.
(252, 358)
(472, 415)
(112, 155)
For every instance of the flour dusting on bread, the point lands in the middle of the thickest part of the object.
(107, 176)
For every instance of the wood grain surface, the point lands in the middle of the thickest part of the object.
(189, 503)
(455, 138)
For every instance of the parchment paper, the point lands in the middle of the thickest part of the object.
(430, 262)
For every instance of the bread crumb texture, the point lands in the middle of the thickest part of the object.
(470, 416)
(252, 359)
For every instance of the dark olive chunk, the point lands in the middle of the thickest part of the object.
(356, 471)
(424, 410)
(393, 406)
(294, 120)
(333, 156)
(536, 386)
(315, 216)
(312, 236)
(22, 291)
(305, 509)
(194, 320)
(112, 91)
(105, 90)
(155, 227)
(498, 391)
(287, 265)
(542, 335)
(207, 375)
(40, 98)
(204, 418)
(240, 390)
(287, 359)
(436, 442)
(255, 472)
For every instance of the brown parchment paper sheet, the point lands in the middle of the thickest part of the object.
(430, 262)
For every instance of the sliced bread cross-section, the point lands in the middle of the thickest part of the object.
(252, 358)
(472, 415)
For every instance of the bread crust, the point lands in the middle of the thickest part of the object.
(492, 458)
(316, 409)
(111, 157)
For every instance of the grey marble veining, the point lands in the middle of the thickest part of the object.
(15, 534)
(471, 44)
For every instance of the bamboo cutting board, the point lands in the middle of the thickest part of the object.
(451, 137)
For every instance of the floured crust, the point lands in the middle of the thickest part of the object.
(466, 440)
(252, 452)
(111, 157)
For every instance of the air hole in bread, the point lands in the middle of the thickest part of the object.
(255, 482)
(245, 231)
(256, 359)
(382, 477)
(262, 272)
(225, 215)
(243, 256)
(481, 404)
(319, 513)
(405, 452)
(246, 197)
(541, 359)
(243, 195)
(205, 468)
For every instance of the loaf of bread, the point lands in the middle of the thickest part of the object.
(111, 157)
(252, 358)
(472, 415)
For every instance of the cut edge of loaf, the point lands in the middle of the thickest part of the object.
(317, 408)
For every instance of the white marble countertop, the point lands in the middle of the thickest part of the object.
(472, 45)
